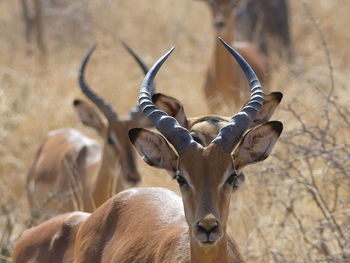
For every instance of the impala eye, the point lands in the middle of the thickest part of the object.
(180, 179)
(231, 180)
(110, 140)
(196, 139)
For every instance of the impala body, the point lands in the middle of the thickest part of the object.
(155, 224)
(224, 77)
(73, 172)
(67, 159)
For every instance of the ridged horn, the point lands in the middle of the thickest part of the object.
(105, 108)
(232, 132)
(168, 126)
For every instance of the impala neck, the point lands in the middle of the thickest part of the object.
(222, 61)
(105, 181)
(218, 253)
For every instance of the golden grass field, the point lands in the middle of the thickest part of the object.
(294, 206)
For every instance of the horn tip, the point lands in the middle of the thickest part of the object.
(124, 44)
(93, 46)
(171, 50)
(167, 54)
(223, 42)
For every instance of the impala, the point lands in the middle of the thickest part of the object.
(154, 224)
(224, 76)
(266, 23)
(33, 22)
(72, 171)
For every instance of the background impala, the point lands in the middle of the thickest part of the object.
(73, 172)
(224, 77)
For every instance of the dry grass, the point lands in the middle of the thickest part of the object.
(294, 207)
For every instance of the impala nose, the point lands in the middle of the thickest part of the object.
(208, 225)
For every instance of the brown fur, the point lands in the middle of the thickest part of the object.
(52, 241)
(63, 167)
(165, 241)
(82, 180)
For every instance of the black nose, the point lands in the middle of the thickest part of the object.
(208, 226)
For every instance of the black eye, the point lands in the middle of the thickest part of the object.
(196, 139)
(180, 179)
(110, 140)
(231, 180)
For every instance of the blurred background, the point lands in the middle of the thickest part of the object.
(294, 207)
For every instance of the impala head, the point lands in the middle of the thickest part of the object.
(115, 132)
(207, 174)
(222, 11)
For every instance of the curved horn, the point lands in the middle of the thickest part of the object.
(231, 133)
(139, 61)
(106, 109)
(135, 113)
(178, 136)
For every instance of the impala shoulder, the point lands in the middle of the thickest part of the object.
(52, 235)
(149, 196)
(74, 218)
(166, 205)
(60, 131)
(73, 136)
(147, 192)
(80, 141)
(67, 229)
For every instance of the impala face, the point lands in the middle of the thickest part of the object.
(206, 184)
(118, 142)
(222, 11)
(117, 147)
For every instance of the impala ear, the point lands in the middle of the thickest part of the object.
(89, 116)
(257, 144)
(153, 149)
(172, 107)
(271, 101)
